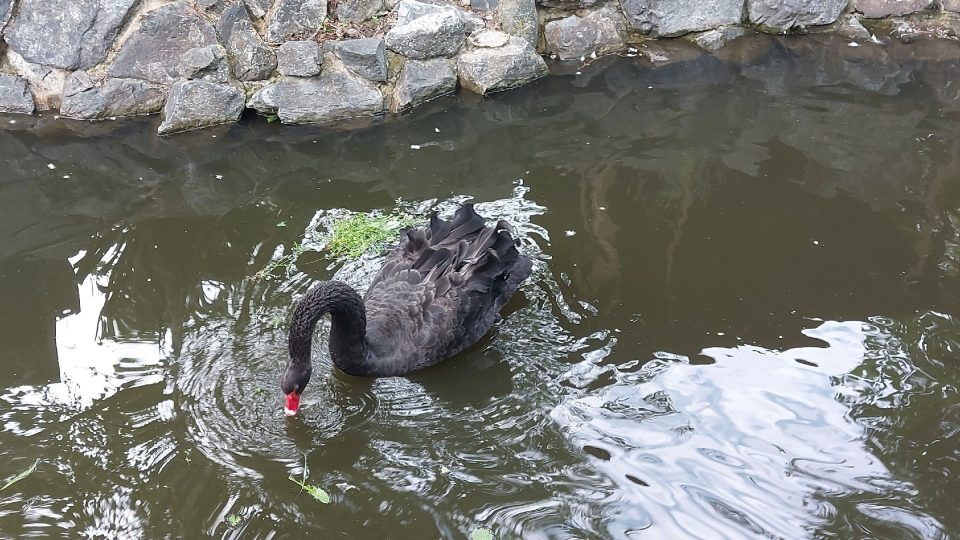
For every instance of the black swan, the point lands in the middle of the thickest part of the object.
(437, 293)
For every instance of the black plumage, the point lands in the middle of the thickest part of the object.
(438, 292)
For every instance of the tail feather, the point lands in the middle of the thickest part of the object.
(466, 255)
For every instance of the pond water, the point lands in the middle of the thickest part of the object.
(743, 319)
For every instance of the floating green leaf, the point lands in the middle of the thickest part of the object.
(21, 476)
(481, 534)
(314, 491)
(233, 520)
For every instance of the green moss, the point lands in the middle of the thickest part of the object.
(481, 534)
(355, 235)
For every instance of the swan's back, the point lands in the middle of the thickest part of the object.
(440, 291)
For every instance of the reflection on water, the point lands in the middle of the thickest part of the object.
(742, 320)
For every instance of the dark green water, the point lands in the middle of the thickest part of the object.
(743, 320)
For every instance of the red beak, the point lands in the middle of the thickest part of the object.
(293, 404)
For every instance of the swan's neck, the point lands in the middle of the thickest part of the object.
(348, 329)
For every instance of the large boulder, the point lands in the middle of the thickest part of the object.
(153, 52)
(519, 18)
(335, 95)
(488, 69)
(15, 95)
(252, 60)
(295, 18)
(85, 99)
(784, 15)
(573, 36)
(366, 57)
(423, 80)
(877, 9)
(439, 33)
(198, 103)
(299, 58)
(678, 17)
(66, 34)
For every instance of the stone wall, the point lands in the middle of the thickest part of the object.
(203, 62)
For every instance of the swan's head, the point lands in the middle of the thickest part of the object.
(294, 380)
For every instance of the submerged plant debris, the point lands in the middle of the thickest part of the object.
(20, 476)
(283, 262)
(355, 235)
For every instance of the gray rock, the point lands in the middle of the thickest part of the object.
(258, 8)
(153, 52)
(423, 80)
(678, 17)
(519, 18)
(15, 96)
(411, 10)
(486, 70)
(489, 39)
(46, 83)
(299, 58)
(473, 21)
(5, 10)
(199, 103)
(714, 40)
(82, 98)
(358, 10)
(851, 28)
(783, 15)
(567, 4)
(210, 5)
(483, 5)
(205, 63)
(67, 34)
(366, 57)
(439, 33)
(949, 5)
(267, 99)
(295, 18)
(333, 96)
(575, 36)
(877, 9)
(252, 60)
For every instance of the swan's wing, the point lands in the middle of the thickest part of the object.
(441, 289)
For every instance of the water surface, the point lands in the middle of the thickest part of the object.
(742, 322)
